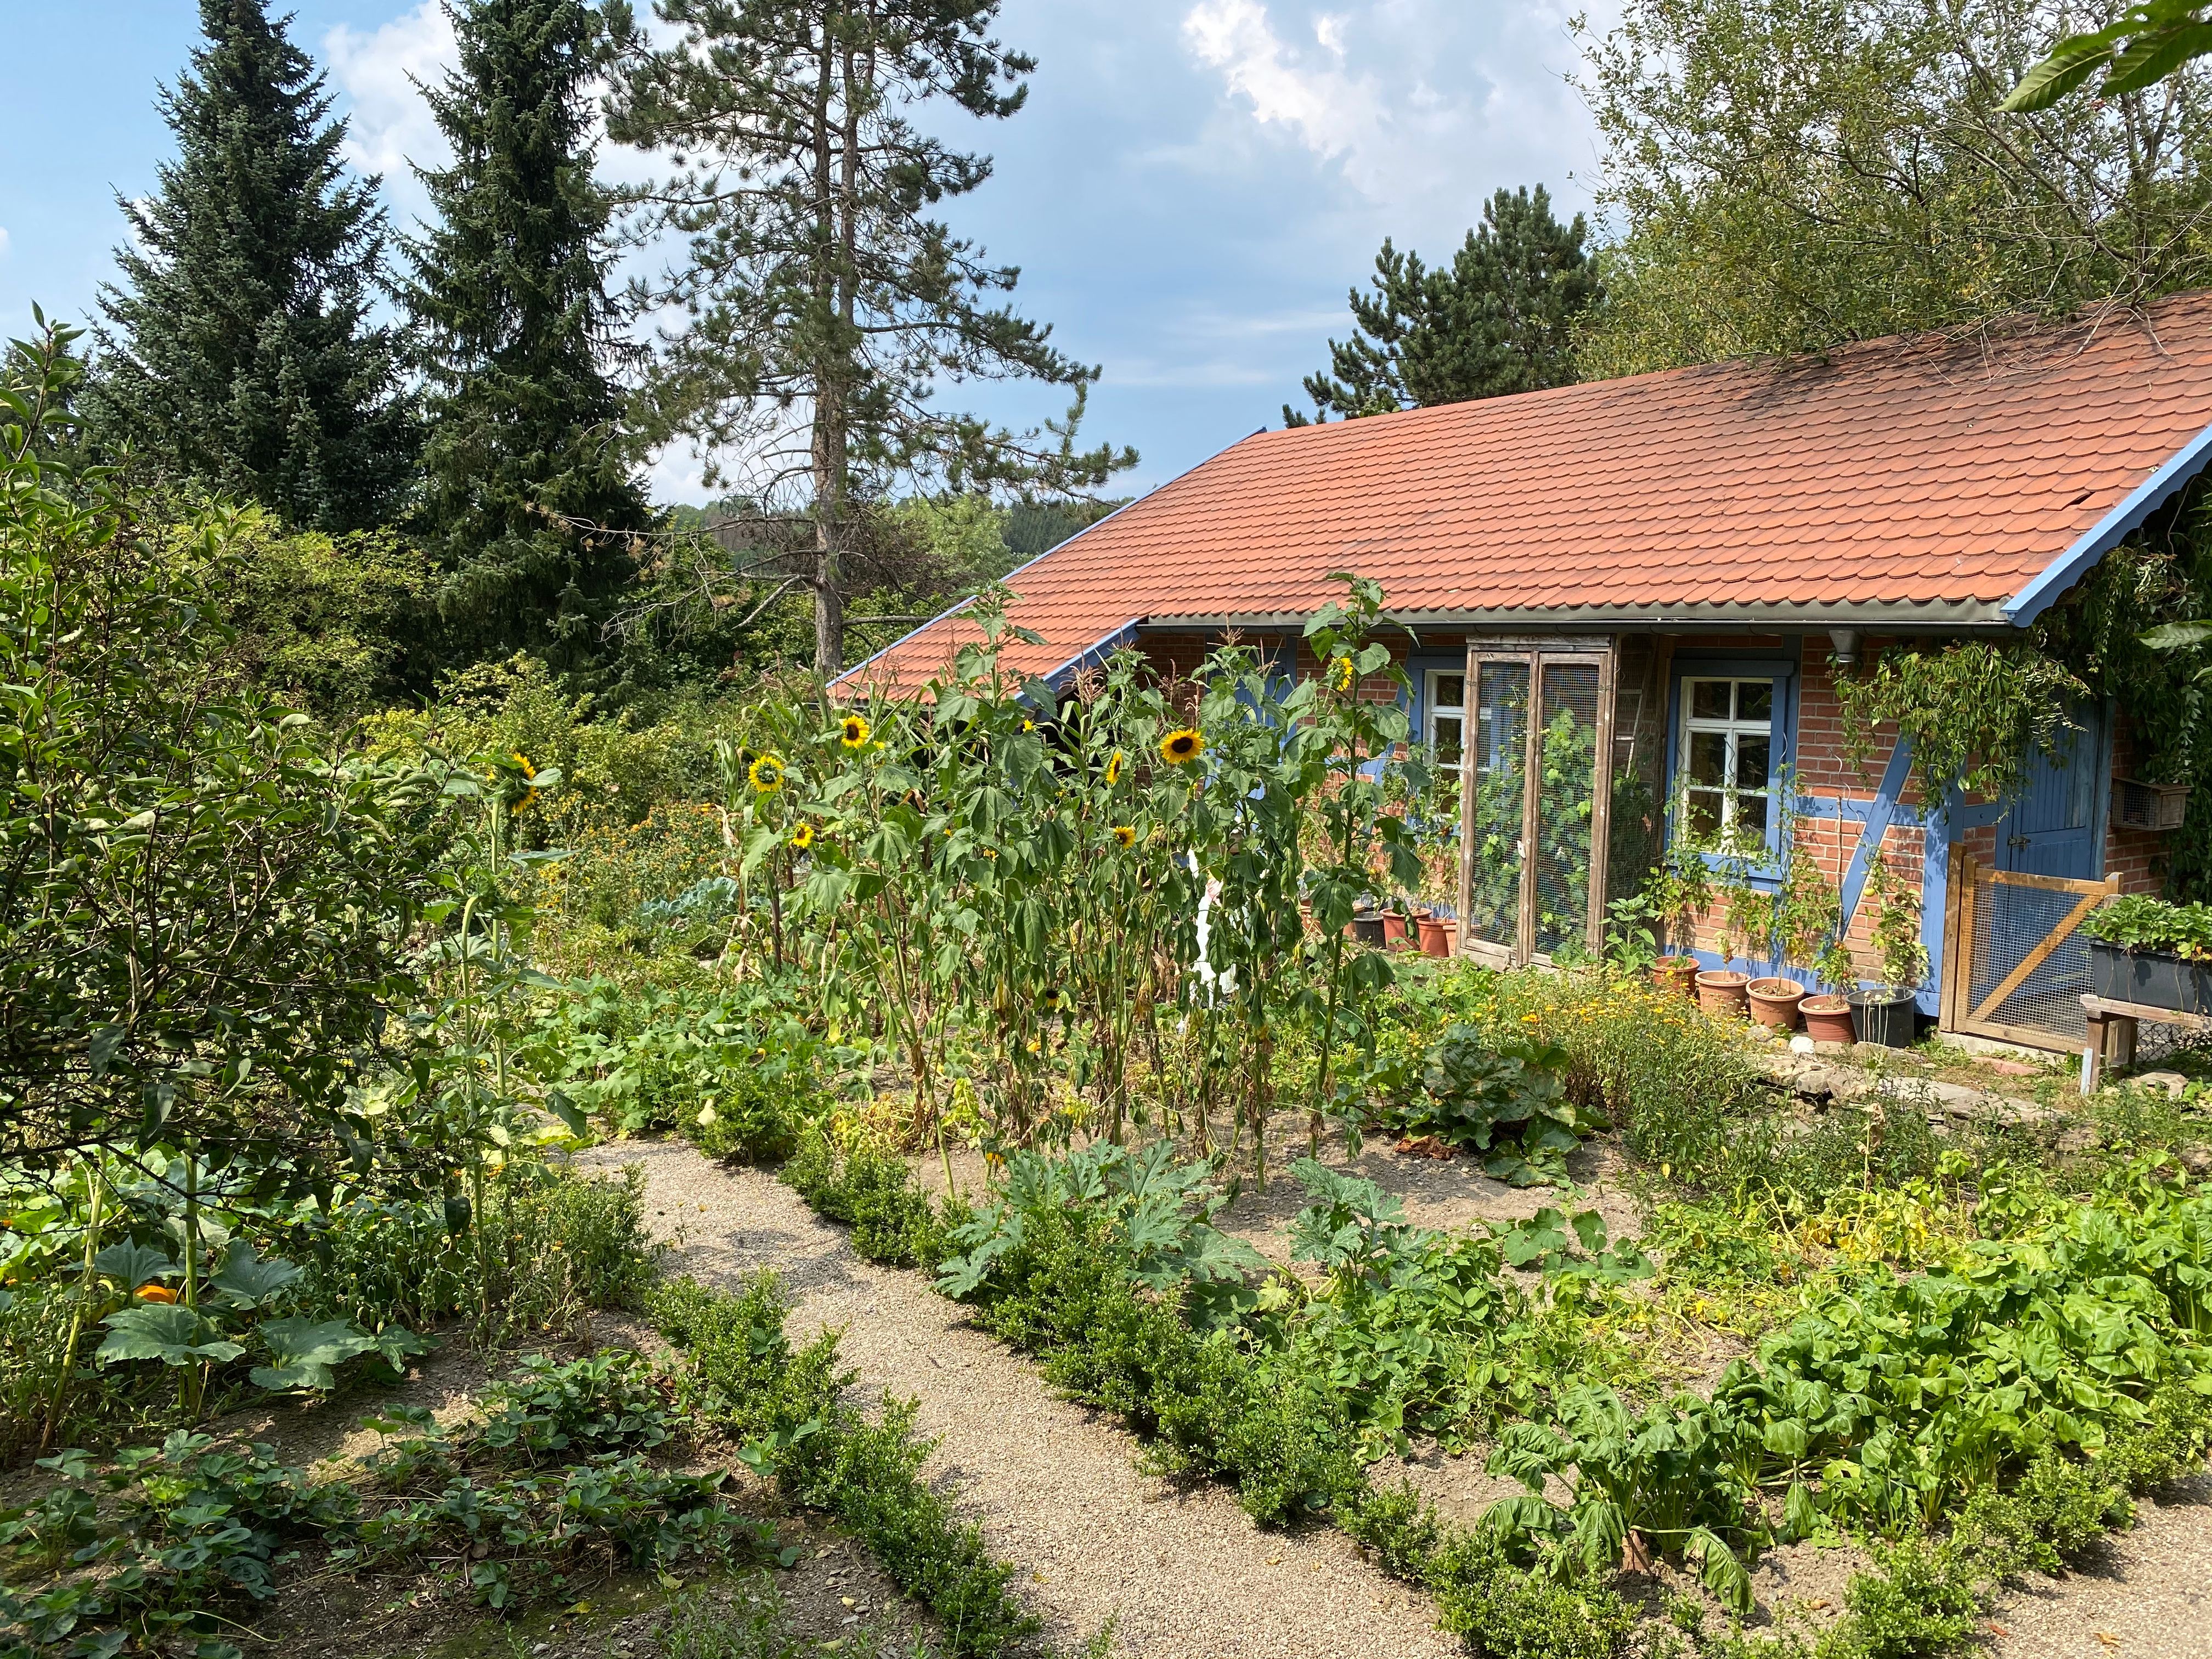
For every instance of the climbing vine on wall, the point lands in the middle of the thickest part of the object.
(1974, 712)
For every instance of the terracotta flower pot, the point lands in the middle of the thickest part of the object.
(1397, 931)
(1774, 1002)
(1827, 1020)
(1676, 973)
(1436, 935)
(1720, 991)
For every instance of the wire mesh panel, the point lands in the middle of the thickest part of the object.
(2011, 923)
(1566, 804)
(1501, 760)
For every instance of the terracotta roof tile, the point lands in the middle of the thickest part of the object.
(1916, 472)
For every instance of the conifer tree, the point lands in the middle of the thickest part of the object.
(826, 304)
(240, 351)
(508, 290)
(1498, 319)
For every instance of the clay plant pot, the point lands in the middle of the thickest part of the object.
(1676, 973)
(1827, 1020)
(1397, 931)
(1774, 1002)
(1720, 991)
(1368, 930)
(1436, 934)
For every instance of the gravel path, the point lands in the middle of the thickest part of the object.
(1179, 1571)
(2150, 1597)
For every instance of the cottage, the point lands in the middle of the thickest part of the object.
(1673, 570)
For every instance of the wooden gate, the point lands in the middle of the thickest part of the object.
(2014, 966)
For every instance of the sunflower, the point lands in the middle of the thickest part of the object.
(523, 761)
(765, 775)
(1125, 835)
(803, 837)
(1184, 745)
(1343, 672)
(853, 732)
(1114, 769)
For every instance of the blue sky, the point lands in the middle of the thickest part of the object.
(1193, 185)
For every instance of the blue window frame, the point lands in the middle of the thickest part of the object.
(1732, 725)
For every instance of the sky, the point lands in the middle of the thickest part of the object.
(1190, 190)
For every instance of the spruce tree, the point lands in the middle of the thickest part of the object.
(1500, 318)
(240, 350)
(526, 447)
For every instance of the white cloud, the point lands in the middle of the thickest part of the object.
(377, 72)
(1330, 112)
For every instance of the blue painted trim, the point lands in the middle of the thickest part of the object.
(2039, 595)
(1125, 635)
(1690, 665)
(1884, 810)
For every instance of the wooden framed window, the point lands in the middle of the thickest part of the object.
(1536, 800)
(1444, 718)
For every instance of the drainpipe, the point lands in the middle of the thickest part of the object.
(1845, 654)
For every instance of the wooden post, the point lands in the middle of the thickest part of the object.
(1601, 801)
(1958, 942)
(1470, 713)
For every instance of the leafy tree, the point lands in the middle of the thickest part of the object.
(823, 304)
(202, 916)
(1500, 318)
(241, 353)
(1788, 175)
(527, 466)
(2139, 48)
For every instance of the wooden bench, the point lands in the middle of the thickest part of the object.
(2112, 1033)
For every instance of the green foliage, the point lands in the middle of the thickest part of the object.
(918, 304)
(1507, 1102)
(2149, 42)
(1925, 1597)
(1973, 712)
(1787, 175)
(870, 1189)
(528, 486)
(2055, 1512)
(2139, 922)
(207, 907)
(244, 354)
(1500, 318)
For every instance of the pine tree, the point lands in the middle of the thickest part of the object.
(241, 351)
(827, 306)
(1500, 318)
(526, 447)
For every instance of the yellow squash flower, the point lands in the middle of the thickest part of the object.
(1178, 747)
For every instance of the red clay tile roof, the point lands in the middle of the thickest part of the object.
(1917, 480)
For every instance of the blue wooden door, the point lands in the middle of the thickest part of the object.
(2053, 829)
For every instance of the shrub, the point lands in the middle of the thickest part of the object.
(2169, 1443)
(1924, 1598)
(870, 1189)
(2055, 1512)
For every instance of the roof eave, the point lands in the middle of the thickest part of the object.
(1884, 616)
(2109, 531)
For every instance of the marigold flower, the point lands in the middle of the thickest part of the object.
(853, 732)
(1114, 769)
(765, 775)
(1125, 835)
(803, 837)
(154, 1294)
(1186, 745)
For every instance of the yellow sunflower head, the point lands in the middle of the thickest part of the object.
(1114, 769)
(765, 775)
(803, 837)
(1177, 747)
(1343, 673)
(523, 761)
(853, 732)
(1125, 835)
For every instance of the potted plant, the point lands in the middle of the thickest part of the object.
(1808, 912)
(1886, 1012)
(2144, 950)
(1746, 912)
(1678, 892)
(1435, 925)
(1828, 1016)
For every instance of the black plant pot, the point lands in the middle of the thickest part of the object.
(2150, 978)
(1368, 930)
(1885, 1014)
